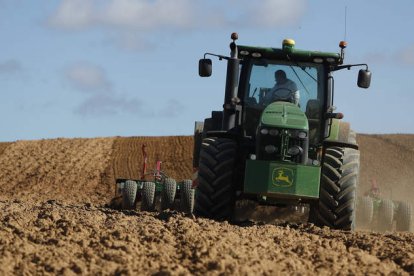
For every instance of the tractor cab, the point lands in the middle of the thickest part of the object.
(254, 103)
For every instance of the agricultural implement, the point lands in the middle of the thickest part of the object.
(381, 214)
(281, 152)
(155, 186)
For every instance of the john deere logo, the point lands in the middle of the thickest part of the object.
(282, 177)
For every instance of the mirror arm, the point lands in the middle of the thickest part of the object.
(336, 68)
(214, 55)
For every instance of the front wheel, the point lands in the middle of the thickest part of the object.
(168, 194)
(129, 194)
(339, 178)
(364, 212)
(187, 197)
(148, 196)
(404, 217)
(385, 216)
(215, 193)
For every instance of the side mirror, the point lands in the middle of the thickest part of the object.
(364, 78)
(205, 67)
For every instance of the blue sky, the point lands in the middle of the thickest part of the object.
(89, 68)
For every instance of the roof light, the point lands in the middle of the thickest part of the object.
(318, 60)
(234, 36)
(288, 44)
(256, 55)
(244, 53)
(343, 44)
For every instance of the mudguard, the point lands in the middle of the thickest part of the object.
(341, 135)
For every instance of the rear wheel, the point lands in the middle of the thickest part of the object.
(129, 194)
(168, 194)
(148, 196)
(215, 195)
(385, 216)
(364, 212)
(404, 217)
(187, 197)
(336, 205)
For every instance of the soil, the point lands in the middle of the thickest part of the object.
(55, 219)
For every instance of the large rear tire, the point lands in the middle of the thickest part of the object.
(187, 197)
(148, 196)
(364, 212)
(404, 217)
(215, 192)
(385, 215)
(168, 194)
(129, 194)
(339, 179)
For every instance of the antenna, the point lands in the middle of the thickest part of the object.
(345, 22)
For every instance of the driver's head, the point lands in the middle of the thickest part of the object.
(280, 76)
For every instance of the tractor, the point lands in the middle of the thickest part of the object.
(280, 152)
(154, 185)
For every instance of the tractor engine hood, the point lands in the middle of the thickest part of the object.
(284, 115)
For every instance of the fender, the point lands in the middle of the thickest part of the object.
(341, 135)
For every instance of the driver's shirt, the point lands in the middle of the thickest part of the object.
(286, 90)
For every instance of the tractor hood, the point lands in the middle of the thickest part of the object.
(284, 115)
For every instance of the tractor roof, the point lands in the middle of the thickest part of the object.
(289, 53)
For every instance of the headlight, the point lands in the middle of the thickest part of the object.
(302, 134)
(270, 149)
(264, 131)
(274, 132)
(292, 132)
(295, 150)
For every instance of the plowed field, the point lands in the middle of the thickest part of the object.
(54, 219)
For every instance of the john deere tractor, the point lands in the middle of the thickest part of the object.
(279, 152)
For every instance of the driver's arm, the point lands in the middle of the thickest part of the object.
(296, 97)
(295, 93)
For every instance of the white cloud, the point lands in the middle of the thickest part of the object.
(376, 57)
(102, 99)
(147, 15)
(132, 41)
(130, 14)
(150, 15)
(104, 105)
(10, 66)
(74, 14)
(88, 78)
(127, 24)
(406, 56)
(272, 13)
(172, 108)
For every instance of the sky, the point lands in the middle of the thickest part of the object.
(100, 68)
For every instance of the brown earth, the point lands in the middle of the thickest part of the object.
(389, 159)
(53, 218)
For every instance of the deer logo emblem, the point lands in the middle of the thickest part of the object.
(282, 177)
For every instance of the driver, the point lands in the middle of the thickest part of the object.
(284, 89)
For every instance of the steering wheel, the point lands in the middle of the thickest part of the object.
(274, 97)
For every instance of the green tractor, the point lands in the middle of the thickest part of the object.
(277, 146)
